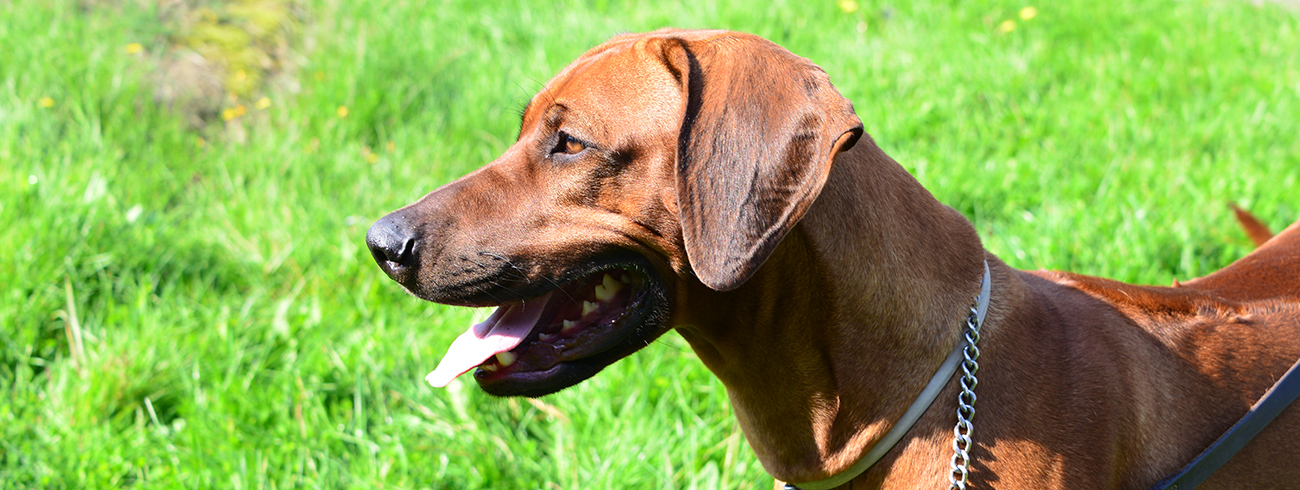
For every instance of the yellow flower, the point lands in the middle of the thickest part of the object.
(263, 103)
(1006, 26)
(1028, 13)
(390, 146)
(848, 6)
(342, 111)
(134, 48)
(45, 102)
(234, 112)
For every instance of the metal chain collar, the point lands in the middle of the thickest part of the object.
(961, 443)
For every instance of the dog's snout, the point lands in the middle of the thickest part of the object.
(393, 243)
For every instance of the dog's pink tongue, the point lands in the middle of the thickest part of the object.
(501, 332)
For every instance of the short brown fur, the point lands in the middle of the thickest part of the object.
(863, 284)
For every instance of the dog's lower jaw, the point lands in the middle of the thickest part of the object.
(644, 320)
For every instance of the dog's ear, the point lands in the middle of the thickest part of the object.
(760, 128)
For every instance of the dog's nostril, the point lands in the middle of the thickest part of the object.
(387, 253)
(391, 244)
(407, 251)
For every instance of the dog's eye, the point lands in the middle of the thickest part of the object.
(568, 145)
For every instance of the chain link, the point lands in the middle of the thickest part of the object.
(961, 442)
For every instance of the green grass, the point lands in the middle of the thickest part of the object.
(234, 332)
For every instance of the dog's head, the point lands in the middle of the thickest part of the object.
(653, 162)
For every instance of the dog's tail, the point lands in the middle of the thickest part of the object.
(1258, 231)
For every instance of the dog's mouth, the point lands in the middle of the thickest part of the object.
(560, 338)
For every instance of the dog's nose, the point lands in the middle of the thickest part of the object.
(393, 243)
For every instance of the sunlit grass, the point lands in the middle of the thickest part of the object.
(179, 309)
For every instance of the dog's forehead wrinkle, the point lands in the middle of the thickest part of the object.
(554, 114)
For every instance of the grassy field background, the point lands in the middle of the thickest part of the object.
(189, 306)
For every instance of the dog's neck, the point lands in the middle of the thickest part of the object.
(887, 274)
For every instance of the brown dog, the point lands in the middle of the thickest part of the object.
(715, 183)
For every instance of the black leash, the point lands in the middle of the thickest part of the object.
(1265, 410)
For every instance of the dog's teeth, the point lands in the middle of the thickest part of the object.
(489, 367)
(607, 288)
(588, 307)
(611, 286)
(546, 337)
(569, 325)
(506, 358)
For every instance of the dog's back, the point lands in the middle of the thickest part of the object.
(1215, 342)
(1265, 285)
(1271, 272)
